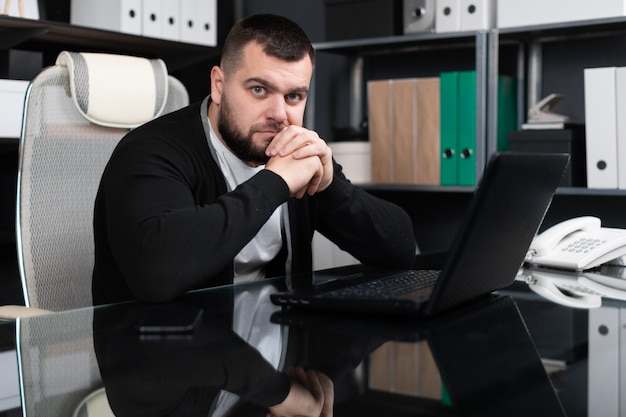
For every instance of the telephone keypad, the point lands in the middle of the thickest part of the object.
(583, 245)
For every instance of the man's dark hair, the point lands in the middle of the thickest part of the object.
(279, 36)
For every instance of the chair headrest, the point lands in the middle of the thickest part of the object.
(116, 90)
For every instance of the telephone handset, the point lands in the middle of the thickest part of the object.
(577, 289)
(561, 288)
(578, 244)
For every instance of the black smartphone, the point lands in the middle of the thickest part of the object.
(170, 320)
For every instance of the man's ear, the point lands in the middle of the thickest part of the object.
(217, 84)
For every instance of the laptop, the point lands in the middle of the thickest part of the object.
(487, 338)
(506, 211)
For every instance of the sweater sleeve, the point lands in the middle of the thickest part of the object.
(375, 231)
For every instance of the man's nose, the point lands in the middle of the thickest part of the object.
(278, 109)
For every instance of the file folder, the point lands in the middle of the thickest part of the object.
(188, 21)
(12, 93)
(170, 10)
(404, 130)
(448, 16)
(605, 354)
(467, 129)
(207, 14)
(449, 103)
(198, 21)
(477, 14)
(458, 128)
(620, 103)
(115, 15)
(458, 124)
(380, 123)
(601, 127)
(507, 111)
(416, 131)
(428, 120)
(152, 18)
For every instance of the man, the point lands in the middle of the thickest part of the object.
(233, 188)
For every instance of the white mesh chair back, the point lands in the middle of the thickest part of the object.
(63, 151)
(57, 364)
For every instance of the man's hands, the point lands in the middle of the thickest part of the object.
(311, 395)
(302, 159)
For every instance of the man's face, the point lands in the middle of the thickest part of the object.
(262, 97)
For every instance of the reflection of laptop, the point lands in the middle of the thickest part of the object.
(506, 212)
(486, 358)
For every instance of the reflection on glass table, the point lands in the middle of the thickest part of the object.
(577, 289)
(234, 361)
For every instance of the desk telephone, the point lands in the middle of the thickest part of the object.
(577, 289)
(578, 244)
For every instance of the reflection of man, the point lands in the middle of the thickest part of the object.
(172, 375)
(189, 201)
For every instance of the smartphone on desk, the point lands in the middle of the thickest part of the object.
(169, 320)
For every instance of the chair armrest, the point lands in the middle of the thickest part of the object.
(12, 312)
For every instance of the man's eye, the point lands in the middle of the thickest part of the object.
(294, 97)
(258, 90)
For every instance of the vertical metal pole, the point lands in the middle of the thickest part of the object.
(356, 92)
(481, 100)
(534, 72)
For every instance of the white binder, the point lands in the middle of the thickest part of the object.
(207, 14)
(477, 14)
(152, 18)
(601, 127)
(620, 112)
(606, 362)
(189, 21)
(170, 10)
(448, 16)
(115, 15)
(12, 93)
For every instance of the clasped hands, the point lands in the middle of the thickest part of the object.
(311, 395)
(302, 159)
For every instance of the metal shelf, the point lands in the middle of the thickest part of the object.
(569, 29)
(395, 44)
(54, 37)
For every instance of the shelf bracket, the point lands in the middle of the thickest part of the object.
(12, 37)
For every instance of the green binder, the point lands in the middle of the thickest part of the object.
(507, 110)
(467, 129)
(449, 91)
(458, 124)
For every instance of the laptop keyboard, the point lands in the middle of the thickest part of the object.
(389, 287)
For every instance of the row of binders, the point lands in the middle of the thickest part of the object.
(423, 130)
(605, 127)
(191, 21)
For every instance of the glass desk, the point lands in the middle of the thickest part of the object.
(515, 354)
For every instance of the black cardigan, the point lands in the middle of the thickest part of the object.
(165, 224)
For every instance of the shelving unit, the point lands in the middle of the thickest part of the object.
(542, 58)
(54, 37)
(551, 60)
(364, 55)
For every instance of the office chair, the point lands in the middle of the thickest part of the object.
(57, 366)
(75, 113)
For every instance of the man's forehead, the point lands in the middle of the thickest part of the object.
(257, 64)
(254, 51)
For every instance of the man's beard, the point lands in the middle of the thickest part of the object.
(241, 145)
